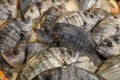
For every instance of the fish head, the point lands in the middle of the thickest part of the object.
(99, 12)
(15, 56)
(44, 37)
(109, 47)
(50, 16)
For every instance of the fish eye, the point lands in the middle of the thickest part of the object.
(116, 39)
(109, 44)
(15, 52)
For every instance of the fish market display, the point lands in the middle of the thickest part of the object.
(13, 33)
(110, 69)
(59, 39)
(69, 73)
(69, 36)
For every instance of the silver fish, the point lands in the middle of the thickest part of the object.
(14, 32)
(71, 37)
(106, 28)
(70, 72)
(110, 69)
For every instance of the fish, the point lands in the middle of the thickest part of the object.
(106, 28)
(86, 19)
(8, 9)
(109, 70)
(70, 72)
(69, 36)
(16, 31)
(15, 56)
(51, 15)
(88, 4)
(21, 53)
(110, 46)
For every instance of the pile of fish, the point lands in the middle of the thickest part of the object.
(47, 40)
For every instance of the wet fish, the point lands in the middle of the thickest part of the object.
(14, 32)
(69, 36)
(15, 56)
(70, 72)
(8, 9)
(86, 19)
(106, 28)
(110, 46)
(87, 4)
(110, 69)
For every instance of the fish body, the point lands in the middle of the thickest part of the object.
(69, 36)
(70, 72)
(109, 70)
(14, 32)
